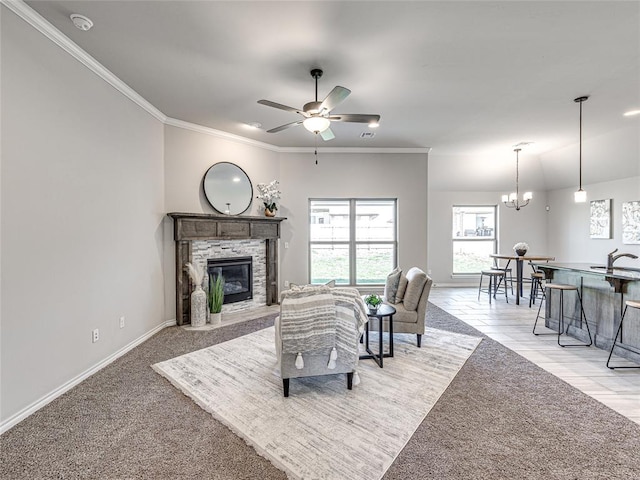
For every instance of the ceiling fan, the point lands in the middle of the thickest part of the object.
(317, 118)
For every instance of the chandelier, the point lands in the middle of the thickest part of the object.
(512, 200)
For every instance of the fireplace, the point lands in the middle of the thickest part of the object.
(238, 277)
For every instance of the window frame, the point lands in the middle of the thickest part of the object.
(454, 239)
(352, 242)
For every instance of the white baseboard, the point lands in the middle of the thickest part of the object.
(49, 397)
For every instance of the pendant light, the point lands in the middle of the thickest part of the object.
(513, 200)
(580, 196)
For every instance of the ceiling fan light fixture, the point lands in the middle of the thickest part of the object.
(316, 124)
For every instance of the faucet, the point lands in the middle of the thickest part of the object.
(612, 258)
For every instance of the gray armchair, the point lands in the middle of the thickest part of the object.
(411, 308)
(317, 333)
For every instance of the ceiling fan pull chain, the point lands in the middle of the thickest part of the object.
(315, 152)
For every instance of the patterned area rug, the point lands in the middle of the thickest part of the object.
(322, 431)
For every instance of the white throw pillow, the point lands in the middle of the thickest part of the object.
(391, 285)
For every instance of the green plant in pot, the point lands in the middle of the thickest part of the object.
(373, 301)
(216, 298)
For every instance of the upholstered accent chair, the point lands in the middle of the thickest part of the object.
(318, 331)
(410, 302)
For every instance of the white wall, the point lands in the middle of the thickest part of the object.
(352, 175)
(82, 208)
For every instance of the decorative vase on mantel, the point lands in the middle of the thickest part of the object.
(269, 213)
(198, 307)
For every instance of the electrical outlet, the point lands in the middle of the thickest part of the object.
(429, 272)
(286, 284)
(286, 244)
(96, 336)
(121, 322)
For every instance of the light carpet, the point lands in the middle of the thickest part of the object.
(322, 431)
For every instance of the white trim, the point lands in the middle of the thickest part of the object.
(355, 150)
(34, 19)
(49, 397)
(174, 122)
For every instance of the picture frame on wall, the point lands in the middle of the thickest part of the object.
(631, 223)
(600, 221)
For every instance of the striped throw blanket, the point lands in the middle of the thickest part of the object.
(317, 319)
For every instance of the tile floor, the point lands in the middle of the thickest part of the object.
(511, 324)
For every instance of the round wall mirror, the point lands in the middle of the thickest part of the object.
(228, 188)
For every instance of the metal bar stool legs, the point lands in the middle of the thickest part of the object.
(628, 303)
(561, 327)
(495, 279)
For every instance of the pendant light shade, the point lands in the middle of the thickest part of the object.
(580, 196)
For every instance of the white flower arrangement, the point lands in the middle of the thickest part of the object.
(520, 246)
(269, 193)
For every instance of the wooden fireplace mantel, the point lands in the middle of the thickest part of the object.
(188, 227)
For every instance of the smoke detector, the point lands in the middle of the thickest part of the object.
(82, 22)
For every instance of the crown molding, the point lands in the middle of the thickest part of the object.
(355, 150)
(174, 122)
(34, 19)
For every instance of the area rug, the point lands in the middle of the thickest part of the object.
(322, 431)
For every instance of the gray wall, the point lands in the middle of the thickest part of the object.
(569, 223)
(526, 225)
(189, 154)
(81, 209)
(348, 175)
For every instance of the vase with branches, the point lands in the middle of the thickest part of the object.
(198, 296)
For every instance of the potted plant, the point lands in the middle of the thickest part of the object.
(373, 301)
(216, 299)
(269, 193)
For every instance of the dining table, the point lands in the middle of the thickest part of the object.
(520, 259)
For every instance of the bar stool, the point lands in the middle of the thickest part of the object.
(508, 273)
(537, 288)
(564, 288)
(628, 303)
(496, 276)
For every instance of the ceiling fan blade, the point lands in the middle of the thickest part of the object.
(269, 103)
(327, 135)
(355, 117)
(335, 97)
(284, 127)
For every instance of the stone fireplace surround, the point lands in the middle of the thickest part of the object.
(200, 236)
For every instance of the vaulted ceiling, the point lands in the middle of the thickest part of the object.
(463, 78)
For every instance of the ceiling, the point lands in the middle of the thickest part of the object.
(463, 78)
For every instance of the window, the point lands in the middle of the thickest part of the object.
(352, 241)
(474, 238)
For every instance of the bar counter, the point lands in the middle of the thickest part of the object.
(603, 294)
